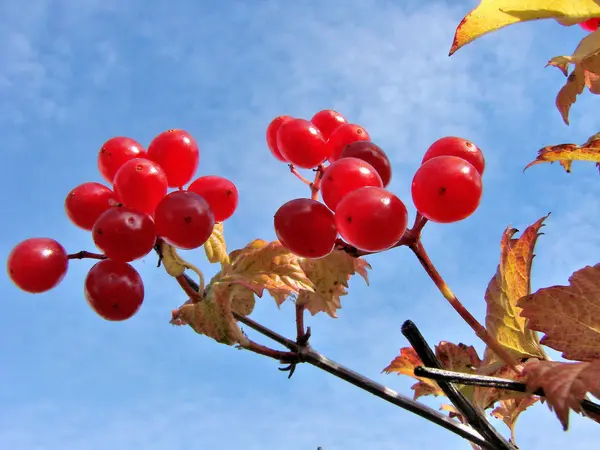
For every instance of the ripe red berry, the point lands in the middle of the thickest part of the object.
(85, 203)
(455, 146)
(115, 152)
(343, 135)
(141, 184)
(37, 264)
(371, 219)
(327, 121)
(272, 130)
(373, 154)
(306, 228)
(220, 193)
(177, 153)
(590, 24)
(124, 234)
(301, 143)
(184, 219)
(114, 290)
(344, 176)
(446, 189)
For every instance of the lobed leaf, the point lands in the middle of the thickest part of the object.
(404, 364)
(565, 154)
(509, 410)
(215, 248)
(568, 315)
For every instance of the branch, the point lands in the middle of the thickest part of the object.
(86, 255)
(491, 382)
(471, 414)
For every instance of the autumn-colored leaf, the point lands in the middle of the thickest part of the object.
(492, 15)
(215, 248)
(508, 411)
(511, 282)
(405, 364)
(565, 384)
(330, 276)
(487, 397)
(568, 315)
(565, 154)
(567, 95)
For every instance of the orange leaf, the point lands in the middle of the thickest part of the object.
(568, 315)
(565, 154)
(405, 364)
(508, 411)
(567, 95)
(565, 384)
(486, 397)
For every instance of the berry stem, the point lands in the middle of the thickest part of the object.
(86, 255)
(194, 295)
(480, 331)
(283, 357)
(315, 186)
(302, 333)
(299, 175)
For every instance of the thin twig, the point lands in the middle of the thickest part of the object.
(299, 175)
(283, 357)
(471, 414)
(83, 254)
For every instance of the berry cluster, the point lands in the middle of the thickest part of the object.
(127, 221)
(352, 174)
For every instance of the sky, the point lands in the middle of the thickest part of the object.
(75, 73)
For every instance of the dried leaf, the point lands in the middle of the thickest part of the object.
(242, 299)
(492, 15)
(569, 92)
(508, 411)
(565, 154)
(565, 384)
(568, 315)
(215, 247)
(486, 397)
(405, 364)
(330, 276)
(511, 282)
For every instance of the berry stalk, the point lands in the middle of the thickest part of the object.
(86, 255)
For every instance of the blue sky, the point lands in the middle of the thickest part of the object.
(73, 74)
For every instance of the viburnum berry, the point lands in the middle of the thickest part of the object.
(301, 143)
(272, 131)
(373, 154)
(306, 228)
(446, 189)
(115, 152)
(590, 24)
(37, 264)
(371, 219)
(124, 234)
(220, 193)
(141, 184)
(327, 121)
(184, 219)
(85, 203)
(114, 290)
(455, 146)
(344, 176)
(343, 135)
(176, 151)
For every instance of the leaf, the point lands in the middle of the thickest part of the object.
(569, 92)
(508, 411)
(269, 266)
(405, 364)
(486, 397)
(492, 15)
(565, 154)
(511, 282)
(330, 276)
(215, 248)
(565, 384)
(242, 299)
(212, 317)
(568, 315)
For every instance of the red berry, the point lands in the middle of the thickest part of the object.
(37, 264)
(115, 152)
(184, 219)
(343, 135)
(141, 184)
(177, 153)
(446, 189)
(301, 143)
(455, 146)
(114, 290)
(272, 130)
(87, 202)
(371, 219)
(124, 234)
(590, 24)
(306, 228)
(373, 154)
(220, 193)
(327, 121)
(344, 176)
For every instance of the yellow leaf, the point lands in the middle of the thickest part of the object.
(330, 276)
(492, 15)
(565, 154)
(511, 282)
(215, 248)
(568, 315)
(242, 299)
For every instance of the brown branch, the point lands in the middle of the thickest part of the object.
(86, 255)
